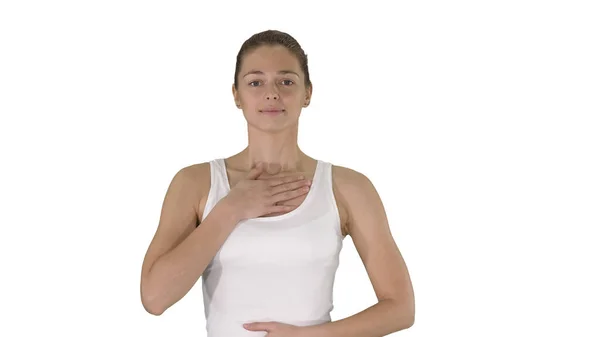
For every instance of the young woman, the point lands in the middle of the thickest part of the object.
(264, 228)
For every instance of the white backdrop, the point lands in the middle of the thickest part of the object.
(477, 121)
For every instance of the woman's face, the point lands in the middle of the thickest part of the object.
(271, 90)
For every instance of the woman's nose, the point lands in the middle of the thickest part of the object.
(272, 93)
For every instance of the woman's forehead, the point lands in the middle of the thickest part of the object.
(270, 59)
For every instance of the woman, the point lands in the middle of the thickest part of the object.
(264, 227)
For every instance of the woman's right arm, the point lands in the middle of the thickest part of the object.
(180, 252)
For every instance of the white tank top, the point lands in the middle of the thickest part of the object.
(279, 268)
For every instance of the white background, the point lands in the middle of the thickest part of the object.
(477, 121)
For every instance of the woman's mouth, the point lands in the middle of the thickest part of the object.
(272, 112)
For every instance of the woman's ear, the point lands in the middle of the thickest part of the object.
(235, 96)
(308, 96)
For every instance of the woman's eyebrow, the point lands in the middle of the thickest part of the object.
(281, 72)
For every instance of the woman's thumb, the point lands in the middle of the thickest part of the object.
(256, 171)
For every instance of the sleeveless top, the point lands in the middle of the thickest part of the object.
(280, 268)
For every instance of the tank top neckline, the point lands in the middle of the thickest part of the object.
(309, 196)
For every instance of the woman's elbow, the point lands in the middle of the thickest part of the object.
(150, 302)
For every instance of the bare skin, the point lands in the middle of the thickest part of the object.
(307, 169)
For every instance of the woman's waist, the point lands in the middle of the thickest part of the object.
(230, 322)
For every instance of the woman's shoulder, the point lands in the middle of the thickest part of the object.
(350, 185)
(347, 184)
(197, 169)
(197, 172)
(195, 177)
(347, 177)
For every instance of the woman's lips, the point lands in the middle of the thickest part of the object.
(272, 111)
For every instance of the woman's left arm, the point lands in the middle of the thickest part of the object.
(368, 226)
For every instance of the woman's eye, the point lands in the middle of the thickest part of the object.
(284, 82)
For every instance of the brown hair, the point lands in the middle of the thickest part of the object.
(273, 38)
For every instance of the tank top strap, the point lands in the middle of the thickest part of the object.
(218, 185)
(220, 176)
(326, 180)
